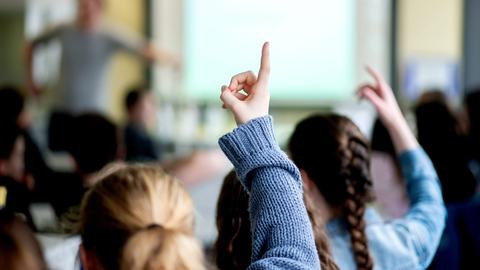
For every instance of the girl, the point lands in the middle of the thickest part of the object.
(334, 159)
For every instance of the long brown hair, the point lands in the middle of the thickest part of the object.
(336, 156)
(138, 217)
(233, 247)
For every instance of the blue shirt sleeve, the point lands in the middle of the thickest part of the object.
(282, 237)
(423, 225)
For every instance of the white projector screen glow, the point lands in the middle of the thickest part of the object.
(312, 46)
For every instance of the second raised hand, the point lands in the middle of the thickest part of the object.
(381, 96)
(255, 100)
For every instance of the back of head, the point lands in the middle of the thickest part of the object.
(19, 248)
(436, 124)
(440, 135)
(233, 247)
(11, 105)
(138, 217)
(336, 156)
(134, 96)
(94, 142)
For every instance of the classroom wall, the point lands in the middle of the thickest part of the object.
(11, 48)
(430, 28)
(126, 70)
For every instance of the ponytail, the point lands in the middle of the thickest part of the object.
(160, 248)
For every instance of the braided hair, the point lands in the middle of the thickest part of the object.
(336, 156)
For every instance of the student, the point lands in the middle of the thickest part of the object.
(444, 141)
(19, 249)
(139, 218)
(233, 246)
(14, 114)
(333, 157)
(14, 197)
(87, 48)
(140, 108)
(94, 142)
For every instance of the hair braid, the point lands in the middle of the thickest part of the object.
(356, 173)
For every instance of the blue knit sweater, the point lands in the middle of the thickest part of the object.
(282, 237)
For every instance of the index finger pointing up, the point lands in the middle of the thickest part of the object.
(378, 78)
(264, 72)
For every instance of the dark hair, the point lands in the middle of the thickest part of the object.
(336, 156)
(472, 103)
(233, 246)
(19, 249)
(11, 104)
(381, 140)
(94, 142)
(8, 137)
(134, 95)
(440, 135)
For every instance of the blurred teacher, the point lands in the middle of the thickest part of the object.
(87, 48)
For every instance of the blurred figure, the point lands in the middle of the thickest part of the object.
(233, 246)
(93, 143)
(14, 114)
(472, 108)
(87, 48)
(440, 134)
(19, 249)
(16, 196)
(388, 183)
(140, 108)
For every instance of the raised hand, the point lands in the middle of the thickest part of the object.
(381, 96)
(247, 96)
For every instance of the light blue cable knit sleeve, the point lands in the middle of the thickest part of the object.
(282, 237)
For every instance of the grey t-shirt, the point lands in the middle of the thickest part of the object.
(85, 60)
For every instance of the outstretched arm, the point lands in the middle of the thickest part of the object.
(423, 225)
(282, 237)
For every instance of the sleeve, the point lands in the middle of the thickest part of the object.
(122, 40)
(48, 35)
(422, 227)
(282, 237)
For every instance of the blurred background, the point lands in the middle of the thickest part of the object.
(319, 51)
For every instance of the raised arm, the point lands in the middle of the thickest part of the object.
(144, 49)
(423, 225)
(282, 237)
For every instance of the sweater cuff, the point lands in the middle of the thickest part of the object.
(250, 146)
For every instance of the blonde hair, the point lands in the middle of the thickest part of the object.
(139, 217)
